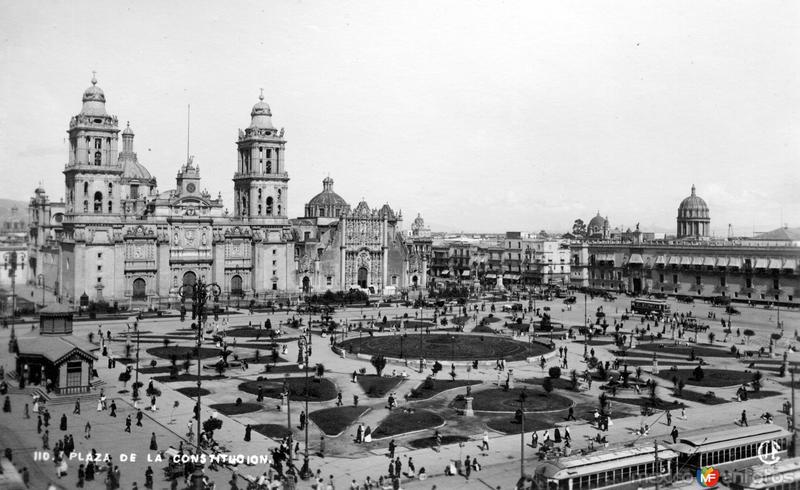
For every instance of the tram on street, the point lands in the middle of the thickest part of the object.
(654, 306)
(731, 446)
(613, 468)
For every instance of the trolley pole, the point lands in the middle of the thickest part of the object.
(793, 448)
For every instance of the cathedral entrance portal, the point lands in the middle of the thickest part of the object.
(139, 289)
(362, 277)
(306, 285)
(414, 282)
(189, 279)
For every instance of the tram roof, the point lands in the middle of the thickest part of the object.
(726, 437)
(608, 459)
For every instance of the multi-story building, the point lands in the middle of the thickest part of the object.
(116, 237)
(761, 269)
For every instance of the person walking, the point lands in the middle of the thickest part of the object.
(669, 418)
(113, 408)
(153, 444)
(485, 443)
(398, 467)
(87, 430)
(39, 425)
(567, 435)
(467, 467)
(534, 440)
(63, 424)
(322, 446)
(139, 416)
(743, 420)
(128, 424)
(77, 409)
(302, 420)
(148, 478)
(392, 448)
(674, 434)
(247, 431)
(571, 413)
(81, 476)
(46, 439)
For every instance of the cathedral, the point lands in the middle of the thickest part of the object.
(116, 237)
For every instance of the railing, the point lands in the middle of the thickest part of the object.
(71, 390)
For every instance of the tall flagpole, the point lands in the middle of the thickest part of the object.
(188, 124)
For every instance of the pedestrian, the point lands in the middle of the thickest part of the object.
(683, 413)
(139, 416)
(87, 430)
(46, 439)
(321, 446)
(339, 399)
(438, 439)
(81, 476)
(302, 420)
(485, 443)
(674, 434)
(247, 431)
(355, 400)
(557, 436)
(398, 467)
(148, 477)
(128, 424)
(63, 424)
(534, 440)
(153, 445)
(743, 420)
(669, 418)
(113, 408)
(77, 409)
(39, 425)
(571, 413)
(467, 467)
(26, 477)
(27, 413)
(412, 472)
(392, 447)
(567, 435)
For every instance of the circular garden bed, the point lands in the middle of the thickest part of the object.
(273, 431)
(712, 378)
(318, 391)
(234, 409)
(399, 422)
(446, 347)
(191, 391)
(498, 400)
(333, 421)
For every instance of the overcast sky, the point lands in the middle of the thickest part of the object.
(482, 116)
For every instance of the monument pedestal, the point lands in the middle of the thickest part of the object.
(468, 412)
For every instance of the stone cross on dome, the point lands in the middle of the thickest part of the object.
(261, 96)
(94, 77)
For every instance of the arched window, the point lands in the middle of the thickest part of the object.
(110, 206)
(98, 202)
(259, 209)
(85, 206)
(269, 206)
(97, 158)
(110, 189)
(85, 188)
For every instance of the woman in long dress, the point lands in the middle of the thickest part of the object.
(368, 434)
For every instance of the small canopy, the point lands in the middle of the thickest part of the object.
(761, 263)
(661, 260)
(465, 273)
(790, 264)
(722, 262)
(697, 261)
(675, 260)
(735, 262)
(709, 262)
(775, 264)
(491, 276)
(636, 259)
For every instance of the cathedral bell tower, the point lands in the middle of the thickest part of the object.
(261, 181)
(93, 172)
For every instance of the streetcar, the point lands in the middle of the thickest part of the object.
(616, 468)
(783, 475)
(731, 446)
(654, 306)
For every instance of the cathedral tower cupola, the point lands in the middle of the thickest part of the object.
(261, 181)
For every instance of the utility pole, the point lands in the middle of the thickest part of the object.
(657, 465)
(793, 448)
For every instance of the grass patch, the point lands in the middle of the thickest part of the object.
(704, 398)
(684, 350)
(645, 402)
(712, 378)
(563, 383)
(318, 391)
(191, 392)
(273, 431)
(180, 352)
(484, 329)
(378, 386)
(427, 442)
(157, 370)
(333, 421)
(233, 409)
(423, 392)
(399, 422)
(283, 368)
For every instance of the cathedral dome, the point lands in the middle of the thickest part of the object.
(94, 100)
(327, 203)
(693, 207)
(133, 170)
(598, 222)
(261, 115)
(419, 222)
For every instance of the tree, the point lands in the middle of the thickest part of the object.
(379, 362)
(748, 333)
(653, 397)
(320, 371)
(547, 384)
(437, 366)
(554, 372)
(638, 372)
(698, 373)
(579, 228)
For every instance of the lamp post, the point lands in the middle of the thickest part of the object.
(198, 293)
(522, 396)
(41, 279)
(136, 381)
(401, 345)
(305, 471)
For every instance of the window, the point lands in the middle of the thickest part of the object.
(99, 268)
(274, 286)
(85, 188)
(394, 280)
(259, 209)
(269, 167)
(269, 206)
(723, 281)
(85, 206)
(274, 272)
(661, 278)
(329, 280)
(776, 283)
(274, 251)
(134, 191)
(98, 202)
(274, 263)
(99, 255)
(74, 370)
(98, 157)
(674, 278)
(748, 282)
(698, 280)
(110, 206)
(259, 193)
(99, 279)
(110, 189)
(98, 143)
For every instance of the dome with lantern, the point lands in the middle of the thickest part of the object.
(94, 100)
(327, 204)
(694, 219)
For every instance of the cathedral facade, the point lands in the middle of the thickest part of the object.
(118, 238)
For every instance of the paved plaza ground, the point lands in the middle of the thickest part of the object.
(421, 408)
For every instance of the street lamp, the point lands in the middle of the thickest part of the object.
(522, 396)
(41, 279)
(305, 471)
(198, 293)
(136, 381)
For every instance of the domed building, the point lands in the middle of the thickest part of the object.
(327, 204)
(137, 185)
(598, 227)
(693, 217)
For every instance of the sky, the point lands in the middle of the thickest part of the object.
(480, 115)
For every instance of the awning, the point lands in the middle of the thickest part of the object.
(465, 273)
(674, 260)
(661, 260)
(790, 264)
(697, 260)
(735, 262)
(775, 264)
(722, 262)
(635, 259)
(686, 261)
(445, 273)
(606, 258)
(511, 277)
(709, 262)
(761, 263)
(491, 276)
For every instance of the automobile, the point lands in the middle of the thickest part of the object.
(570, 300)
